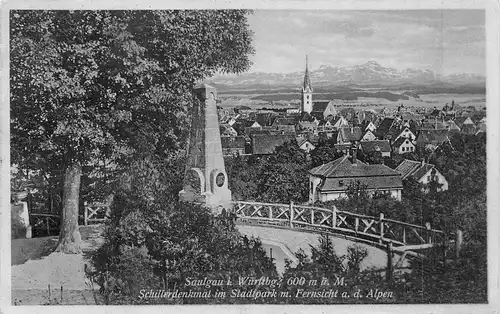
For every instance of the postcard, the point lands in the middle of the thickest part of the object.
(288, 157)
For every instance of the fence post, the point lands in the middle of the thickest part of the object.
(458, 243)
(334, 217)
(48, 225)
(312, 216)
(389, 270)
(291, 214)
(429, 234)
(444, 250)
(381, 222)
(85, 215)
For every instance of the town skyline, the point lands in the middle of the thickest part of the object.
(445, 42)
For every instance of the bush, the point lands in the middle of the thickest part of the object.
(153, 241)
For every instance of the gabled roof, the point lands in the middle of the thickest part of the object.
(301, 140)
(320, 106)
(306, 116)
(342, 167)
(233, 142)
(414, 169)
(384, 127)
(266, 144)
(351, 134)
(283, 121)
(373, 176)
(307, 124)
(400, 141)
(375, 146)
(264, 118)
(407, 167)
(433, 136)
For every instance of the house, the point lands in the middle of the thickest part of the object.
(306, 126)
(306, 117)
(368, 136)
(264, 119)
(481, 128)
(265, 144)
(328, 134)
(227, 130)
(370, 126)
(406, 133)
(344, 148)
(330, 181)
(384, 127)
(403, 145)
(280, 129)
(283, 121)
(452, 126)
(242, 126)
(323, 109)
(376, 146)
(233, 145)
(349, 135)
(339, 122)
(325, 125)
(467, 126)
(305, 144)
(421, 172)
(233, 120)
(432, 137)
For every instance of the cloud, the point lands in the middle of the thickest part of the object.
(399, 39)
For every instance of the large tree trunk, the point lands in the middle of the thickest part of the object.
(69, 237)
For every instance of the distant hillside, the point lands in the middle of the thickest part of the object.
(370, 73)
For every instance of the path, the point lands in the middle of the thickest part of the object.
(293, 240)
(34, 268)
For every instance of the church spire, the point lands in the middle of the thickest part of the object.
(307, 79)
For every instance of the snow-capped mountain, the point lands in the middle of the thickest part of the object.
(368, 73)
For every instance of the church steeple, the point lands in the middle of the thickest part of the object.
(306, 101)
(307, 79)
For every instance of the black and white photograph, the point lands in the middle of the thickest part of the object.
(250, 156)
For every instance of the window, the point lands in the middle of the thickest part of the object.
(341, 182)
(307, 97)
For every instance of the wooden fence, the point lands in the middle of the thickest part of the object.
(95, 213)
(45, 222)
(377, 230)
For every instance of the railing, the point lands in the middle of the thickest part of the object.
(95, 213)
(378, 230)
(45, 222)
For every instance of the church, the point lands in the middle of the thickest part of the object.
(319, 109)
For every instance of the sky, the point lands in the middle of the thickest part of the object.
(444, 41)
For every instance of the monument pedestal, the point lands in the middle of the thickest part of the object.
(205, 181)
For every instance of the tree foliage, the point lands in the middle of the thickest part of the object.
(281, 177)
(108, 87)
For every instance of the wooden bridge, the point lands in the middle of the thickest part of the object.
(378, 231)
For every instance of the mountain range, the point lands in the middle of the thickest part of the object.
(369, 73)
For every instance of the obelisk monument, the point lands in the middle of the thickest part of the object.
(205, 180)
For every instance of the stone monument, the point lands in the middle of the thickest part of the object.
(205, 180)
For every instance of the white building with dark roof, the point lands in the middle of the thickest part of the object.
(330, 181)
(422, 172)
